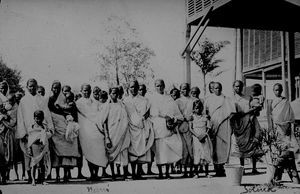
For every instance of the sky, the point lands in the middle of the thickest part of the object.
(60, 39)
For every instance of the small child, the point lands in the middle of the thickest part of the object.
(96, 93)
(103, 96)
(38, 147)
(175, 93)
(66, 89)
(202, 146)
(257, 99)
(70, 111)
(41, 90)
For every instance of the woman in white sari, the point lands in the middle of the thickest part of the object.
(140, 128)
(220, 109)
(114, 120)
(90, 137)
(64, 152)
(282, 118)
(168, 143)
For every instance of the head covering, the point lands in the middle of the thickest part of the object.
(3, 97)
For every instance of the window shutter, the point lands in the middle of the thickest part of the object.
(256, 51)
(262, 46)
(268, 46)
(297, 43)
(251, 52)
(245, 47)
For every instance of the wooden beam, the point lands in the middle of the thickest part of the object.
(203, 29)
(198, 27)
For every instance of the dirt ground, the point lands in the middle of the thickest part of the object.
(250, 184)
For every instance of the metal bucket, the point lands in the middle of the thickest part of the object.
(234, 174)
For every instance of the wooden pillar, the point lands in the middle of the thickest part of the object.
(283, 68)
(291, 68)
(234, 77)
(188, 56)
(239, 55)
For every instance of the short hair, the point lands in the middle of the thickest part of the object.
(70, 96)
(41, 87)
(56, 82)
(85, 84)
(197, 89)
(279, 85)
(136, 83)
(238, 81)
(160, 80)
(197, 103)
(66, 87)
(187, 84)
(174, 89)
(31, 80)
(211, 83)
(103, 94)
(218, 84)
(96, 89)
(38, 113)
(256, 88)
(113, 88)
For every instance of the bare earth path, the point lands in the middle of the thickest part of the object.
(250, 184)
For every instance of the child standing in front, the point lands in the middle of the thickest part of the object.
(200, 126)
(38, 147)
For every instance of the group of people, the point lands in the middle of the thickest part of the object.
(176, 130)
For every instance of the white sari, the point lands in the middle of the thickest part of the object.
(91, 140)
(168, 145)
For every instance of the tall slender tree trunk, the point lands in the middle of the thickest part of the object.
(117, 65)
(117, 73)
(204, 83)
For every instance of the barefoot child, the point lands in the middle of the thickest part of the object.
(199, 126)
(38, 136)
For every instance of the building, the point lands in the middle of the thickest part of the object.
(268, 39)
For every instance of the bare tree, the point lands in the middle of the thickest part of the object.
(125, 58)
